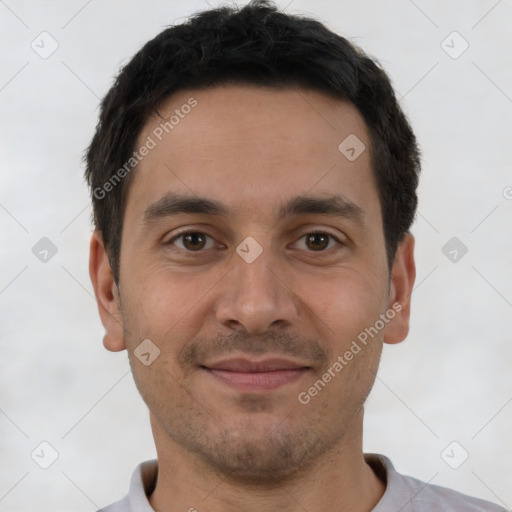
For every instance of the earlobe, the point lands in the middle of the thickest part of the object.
(105, 290)
(402, 281)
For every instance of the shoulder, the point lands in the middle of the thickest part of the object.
(119, 506)
(409, 494)
(436, 497)
(142, 484)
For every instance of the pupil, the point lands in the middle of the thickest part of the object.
(191, 240)
(314, 239)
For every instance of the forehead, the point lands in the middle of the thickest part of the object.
(253, 147)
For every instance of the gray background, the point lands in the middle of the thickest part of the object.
(450, 381)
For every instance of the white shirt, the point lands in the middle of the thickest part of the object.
(403, 493)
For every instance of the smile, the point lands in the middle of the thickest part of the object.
(251, 376)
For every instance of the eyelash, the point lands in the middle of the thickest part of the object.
(315, 232)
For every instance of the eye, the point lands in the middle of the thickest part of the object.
(196, 241)
(318, 241)
(193, 241)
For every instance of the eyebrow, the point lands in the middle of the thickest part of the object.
(172, 204)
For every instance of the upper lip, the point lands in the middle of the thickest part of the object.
(250, 366)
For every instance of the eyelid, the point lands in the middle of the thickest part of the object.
(322, 231)
(187, 229)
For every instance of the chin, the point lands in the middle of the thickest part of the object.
(258, 462)
(255, 450)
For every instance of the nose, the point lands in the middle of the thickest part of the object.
(257, 296)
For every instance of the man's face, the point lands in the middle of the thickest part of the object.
(248, 307)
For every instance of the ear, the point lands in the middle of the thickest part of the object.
(107, 294)
(403, 275)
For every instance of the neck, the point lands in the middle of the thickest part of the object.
(341, 480)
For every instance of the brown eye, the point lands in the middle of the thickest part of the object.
(193, 241)
(318, 241)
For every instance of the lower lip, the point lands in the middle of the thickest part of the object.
(246, 381)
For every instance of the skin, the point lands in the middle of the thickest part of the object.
(219, 447)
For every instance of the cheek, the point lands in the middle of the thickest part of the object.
(343, 303)
(162, 305)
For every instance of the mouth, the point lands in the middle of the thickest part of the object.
(253, 376)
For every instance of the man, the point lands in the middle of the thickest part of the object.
(254, 181)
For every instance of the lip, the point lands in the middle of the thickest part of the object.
(252, 376)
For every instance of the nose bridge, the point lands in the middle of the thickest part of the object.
(256, 272)
(254, 294)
